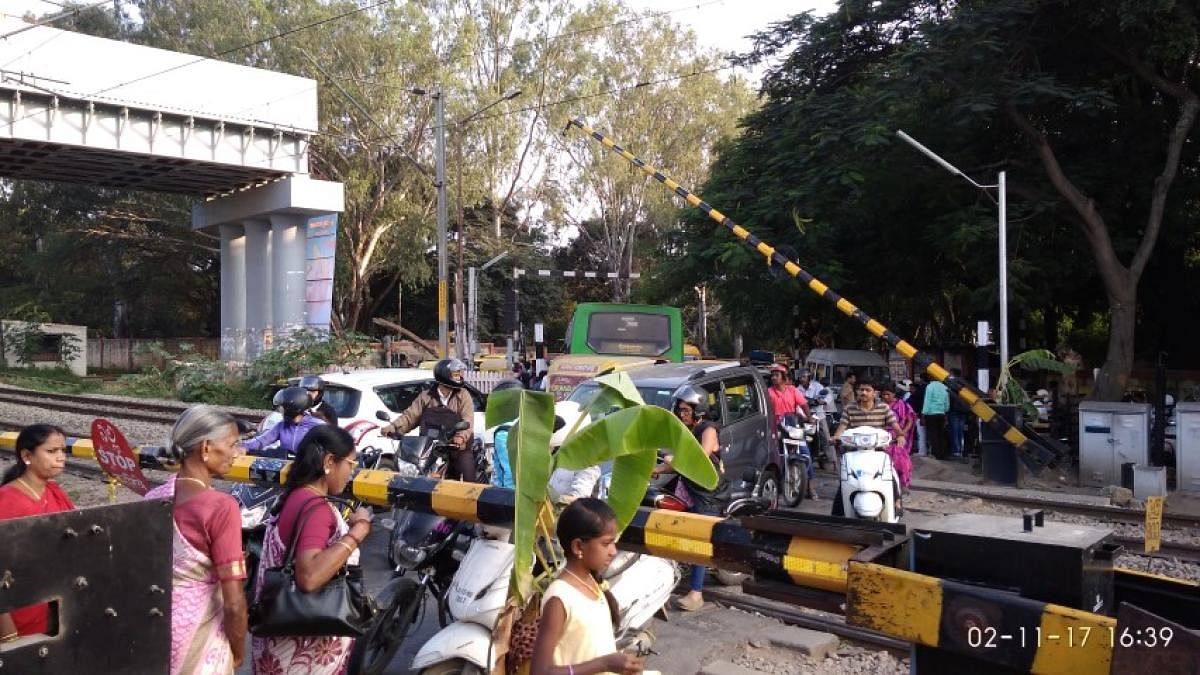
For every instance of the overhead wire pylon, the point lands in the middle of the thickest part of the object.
(1035, 455)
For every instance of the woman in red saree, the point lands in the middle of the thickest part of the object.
(28, 489)
(208, 603)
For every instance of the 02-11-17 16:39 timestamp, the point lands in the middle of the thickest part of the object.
(989, 637)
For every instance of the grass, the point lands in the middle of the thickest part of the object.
(52, 380)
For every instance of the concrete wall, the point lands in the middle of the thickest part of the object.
(77, 365)
(134, 355)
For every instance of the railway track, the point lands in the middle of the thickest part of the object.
(98, 406)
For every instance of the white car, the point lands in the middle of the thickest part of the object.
(367, 399)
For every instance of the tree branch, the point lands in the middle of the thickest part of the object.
(1162, 184)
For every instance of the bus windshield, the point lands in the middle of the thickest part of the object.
(631, 333)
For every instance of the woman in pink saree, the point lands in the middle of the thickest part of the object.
(907, 419)
(208, 603)
(325, 461)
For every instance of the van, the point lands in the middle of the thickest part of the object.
(831, 366)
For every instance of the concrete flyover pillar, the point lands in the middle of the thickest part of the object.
(233, 293)
(264, 258)
(288, 234)
(259, 314)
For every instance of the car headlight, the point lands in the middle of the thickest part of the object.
(867, 504)
(253, 517)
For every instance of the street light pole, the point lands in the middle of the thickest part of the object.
(1002, 236)
(473, 300)
(442, 217)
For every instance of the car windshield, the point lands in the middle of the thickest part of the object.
(586, 392)
(343, 399)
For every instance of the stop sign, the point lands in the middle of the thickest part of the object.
(115, 457)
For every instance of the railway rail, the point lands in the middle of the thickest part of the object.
(101, 406)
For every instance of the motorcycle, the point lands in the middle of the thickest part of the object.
(430, 547)
(869, 484)
(816, 429)
(795, 459)
(255, 502)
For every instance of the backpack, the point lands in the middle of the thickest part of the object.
(439, 417)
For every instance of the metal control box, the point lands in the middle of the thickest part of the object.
(1111, 434)
(1187, 447)
(1059, 563)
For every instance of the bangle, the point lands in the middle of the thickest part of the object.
(10, 637)
(344, 545)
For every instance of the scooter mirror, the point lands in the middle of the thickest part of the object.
(462, 426)
(383, 416)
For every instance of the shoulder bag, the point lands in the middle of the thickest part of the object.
(340, 608)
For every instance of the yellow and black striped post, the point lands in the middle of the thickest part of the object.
(1035, 456)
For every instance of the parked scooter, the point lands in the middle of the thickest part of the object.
(816, 429)
(795, 459)
(641, 585)
(869, 484)
(255, 502)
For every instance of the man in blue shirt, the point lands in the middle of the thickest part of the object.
(933, 414)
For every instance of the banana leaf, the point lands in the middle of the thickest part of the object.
(529, 457)
(630, 438)
(616, 391)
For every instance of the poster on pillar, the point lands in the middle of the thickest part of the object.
(319, 258)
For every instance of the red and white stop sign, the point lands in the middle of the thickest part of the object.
(115, 457)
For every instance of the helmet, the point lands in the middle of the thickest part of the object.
(1042, 394)
(779, 368)
(444, 370)
(692, 396)
(508, 384)
(312, 382)
(292, 400)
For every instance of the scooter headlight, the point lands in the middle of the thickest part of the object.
(867, 504)
(253, 517)
(795, 432)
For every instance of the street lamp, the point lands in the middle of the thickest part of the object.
(473, 300)
(463, 335)
(1001, 190)
(442, 216)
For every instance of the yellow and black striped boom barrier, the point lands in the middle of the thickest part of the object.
(1034, 455)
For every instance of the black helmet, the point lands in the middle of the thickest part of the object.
(692, 396)
(292, 400)
(443, 372)
(508, 384)
(312, 382)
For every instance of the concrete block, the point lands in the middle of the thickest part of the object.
(812, 643)
(725, 668)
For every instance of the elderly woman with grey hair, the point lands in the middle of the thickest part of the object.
(208, 602)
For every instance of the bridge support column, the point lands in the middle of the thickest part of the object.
(233, 293)
(259, 315)
(288, 235)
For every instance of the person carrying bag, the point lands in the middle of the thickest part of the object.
(308, 598)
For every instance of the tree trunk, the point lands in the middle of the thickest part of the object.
(1118, 362)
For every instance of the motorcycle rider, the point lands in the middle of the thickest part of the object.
(812, 391)
(787, 399)
(867, 411)
(318, 407)
(443, 405)
(690, 405)
(293, 403)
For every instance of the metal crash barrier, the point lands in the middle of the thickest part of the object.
(106, 572)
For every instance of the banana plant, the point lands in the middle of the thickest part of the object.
(629, 438)
(1012, 392)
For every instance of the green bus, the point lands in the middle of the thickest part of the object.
(604, 328)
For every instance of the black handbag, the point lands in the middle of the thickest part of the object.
(340, 608)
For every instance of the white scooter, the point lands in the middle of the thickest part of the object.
(641, 585)
(869, 483)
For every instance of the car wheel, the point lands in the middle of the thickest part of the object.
(769, 490)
